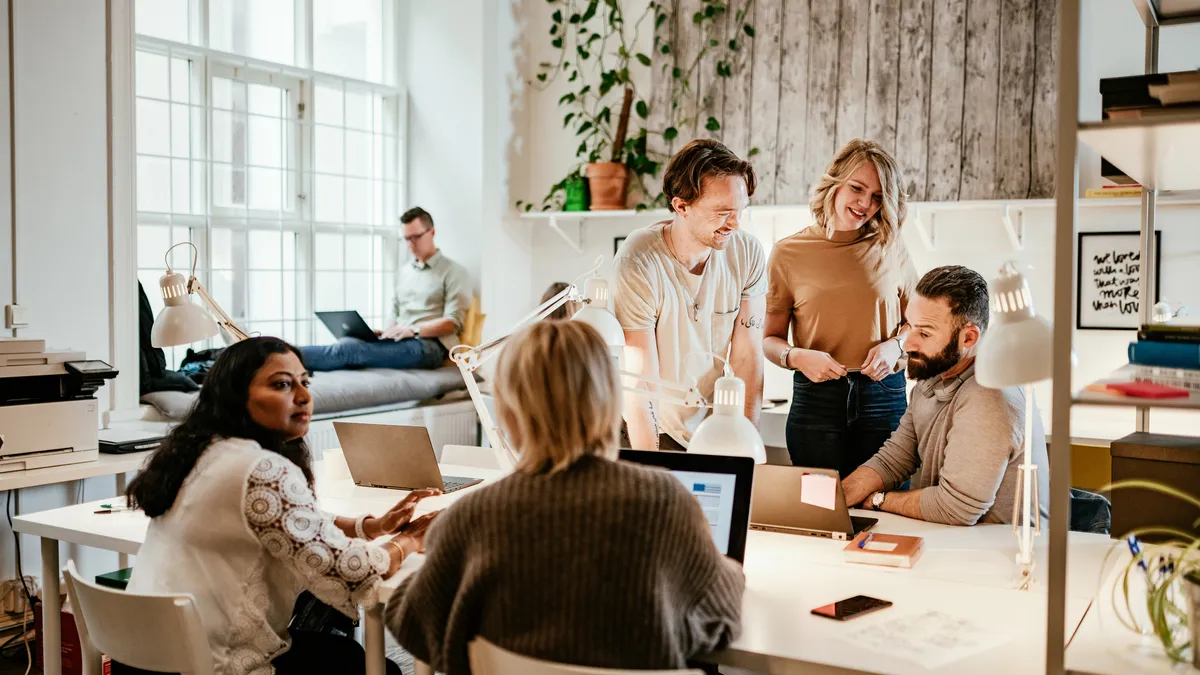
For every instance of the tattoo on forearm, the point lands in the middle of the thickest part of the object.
(751, 322)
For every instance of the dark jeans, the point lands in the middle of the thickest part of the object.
(311, 653)
(842, 423)
(407, 354)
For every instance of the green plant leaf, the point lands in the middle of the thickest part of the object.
(568, 118)
(643, 59)
(541, 77)
(697, 18)
(574, 18)
(713, 43)
(666, 49)
(658, 20)
(643, 110)
(670, 133)
(710, 11)
(557, 42)
(567, 98)
(748, 29)
(556, 17)
(712, 124)
(590, 11)
(753, 152)
(583, 128)
(733, 45)
(676, 72)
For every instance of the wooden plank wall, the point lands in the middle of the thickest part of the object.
(961, 91)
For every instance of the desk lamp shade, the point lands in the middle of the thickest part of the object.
(180, 322)
(727, 431)
(596, 314)
(1016, 349)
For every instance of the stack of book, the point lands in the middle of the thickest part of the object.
(1167, 354)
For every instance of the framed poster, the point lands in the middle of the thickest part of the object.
(1109, 271)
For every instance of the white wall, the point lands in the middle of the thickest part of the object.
(1112, 45)
(61, 257)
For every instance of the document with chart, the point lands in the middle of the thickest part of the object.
(714, 491)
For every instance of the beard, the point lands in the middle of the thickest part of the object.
(922, 367)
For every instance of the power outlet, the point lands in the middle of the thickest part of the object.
(15, 316)
(12, 595)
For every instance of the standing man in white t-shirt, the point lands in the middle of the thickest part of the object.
(689, 285)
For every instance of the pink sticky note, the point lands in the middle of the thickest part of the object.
(818, 490)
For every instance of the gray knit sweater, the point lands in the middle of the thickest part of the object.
(606, 564)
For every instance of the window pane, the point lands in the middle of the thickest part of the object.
(266, 295)
(358, 252)
(265, 189)
(264, 249)
(229, 137)
(153, 184)
(329, 150)
(328, 251)
(330, 294)
(265, 141)
(181, 186)
(222, 291)
(265, 100)
(290, 309)
(150, 75)
(152, 244)
(153, 127)
(229, 186)
(329, 206)
(167, 19)
(358, 292)
(328, 104)
(358, 153)
(181, 131)
(348, 38)
(358, 110)
(358, 201)
(181, 80)
(228, 249)
(289, 251)
(261, 29)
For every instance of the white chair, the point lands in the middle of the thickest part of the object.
(152, 632)
(470, 455)
(488, 659)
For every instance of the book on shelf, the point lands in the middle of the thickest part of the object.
(1113, 192)
(1169, 332)
(1165, 354)
(890, 550)
(1184, 378)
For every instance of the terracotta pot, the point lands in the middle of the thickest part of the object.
(607, 183)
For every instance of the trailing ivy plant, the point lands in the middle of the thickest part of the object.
(595, 54)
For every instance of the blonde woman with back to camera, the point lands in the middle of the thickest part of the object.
(842, 286)
(575, 557)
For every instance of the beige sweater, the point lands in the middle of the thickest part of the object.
(964, 441)
(606, 564)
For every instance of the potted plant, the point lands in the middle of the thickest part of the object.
(609, 180)
(1169, 571)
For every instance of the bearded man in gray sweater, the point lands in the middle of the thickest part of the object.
(960, 442)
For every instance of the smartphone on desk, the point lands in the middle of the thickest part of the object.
(844, 610)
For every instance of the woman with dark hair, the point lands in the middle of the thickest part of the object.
(567, 310)
(234, 521)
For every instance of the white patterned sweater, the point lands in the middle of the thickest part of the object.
(245, 537)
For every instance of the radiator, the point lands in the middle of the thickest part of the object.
(452, 423)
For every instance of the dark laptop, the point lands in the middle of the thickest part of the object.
(721, 484)
(347, 324)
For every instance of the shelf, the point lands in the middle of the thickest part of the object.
(1160, 152)
(1168, 12)
(1125, 374)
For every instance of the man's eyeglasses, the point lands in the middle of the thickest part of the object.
(412, 238)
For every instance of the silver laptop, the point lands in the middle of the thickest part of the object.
(393, 456)
(777, 505)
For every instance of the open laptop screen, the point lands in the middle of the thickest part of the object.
(722, 486)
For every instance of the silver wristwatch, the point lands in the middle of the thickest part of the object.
(783, 357)
(877, 501)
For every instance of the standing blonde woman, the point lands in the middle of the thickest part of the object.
(574, 557)
(842, 286)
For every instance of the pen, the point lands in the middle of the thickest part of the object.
(117, 507)
(865, 539)
(1136, 549)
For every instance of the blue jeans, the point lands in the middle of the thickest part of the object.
(407, 354)
(842, 423)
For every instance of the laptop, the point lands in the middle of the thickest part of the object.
(721, 484)
(395, 457)
(778, 505)
(347, 324)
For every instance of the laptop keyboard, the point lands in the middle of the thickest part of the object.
(453, 483)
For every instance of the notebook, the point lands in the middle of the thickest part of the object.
(890, 550)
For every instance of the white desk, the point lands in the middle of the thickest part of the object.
(964, 571)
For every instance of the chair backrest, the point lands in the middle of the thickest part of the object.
(488, 659)
(470, 455)
(472, 330)
(154, 632)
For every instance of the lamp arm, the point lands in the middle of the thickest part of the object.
(488, 350)
(691, 395)
(223, 319)
(504, 454)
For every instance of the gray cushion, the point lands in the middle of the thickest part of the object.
(341, 390)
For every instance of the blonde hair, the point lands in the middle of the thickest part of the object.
(887, 221)
(557, 396)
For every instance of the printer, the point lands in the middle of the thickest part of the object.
(48, 408)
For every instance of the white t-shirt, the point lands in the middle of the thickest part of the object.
(688, 313)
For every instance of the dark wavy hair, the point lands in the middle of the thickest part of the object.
(221, 411)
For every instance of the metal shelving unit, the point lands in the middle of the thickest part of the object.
(1161, 153)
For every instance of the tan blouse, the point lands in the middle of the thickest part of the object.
(846, 293)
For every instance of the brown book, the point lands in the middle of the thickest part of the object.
(891, 550)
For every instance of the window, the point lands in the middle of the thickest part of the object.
(278, 153)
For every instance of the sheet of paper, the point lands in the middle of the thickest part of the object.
(883, 546)
(818, 490)
(930, 638)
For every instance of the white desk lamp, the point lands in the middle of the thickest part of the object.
(726, 432)
(1016, 351)
(180, 322)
